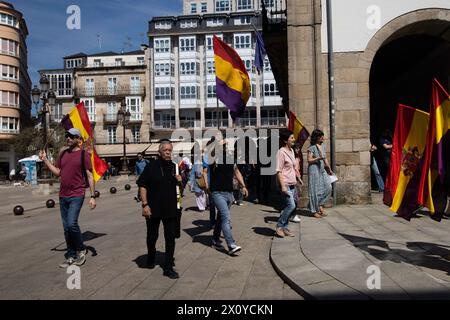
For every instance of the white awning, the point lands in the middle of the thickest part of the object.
(132, 149)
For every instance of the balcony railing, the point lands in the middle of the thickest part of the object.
(112, 64)
(9, 131)
(165, 124)
(247, 122)
(110, 118)
(10, 53)
(190, 123)
(212, 123)
(273, 121)
(111, 91)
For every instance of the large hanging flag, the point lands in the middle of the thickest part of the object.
(260, 52)
(79, 119)
(232, 80)
(408, 145)
(432, 192)
(297, 127)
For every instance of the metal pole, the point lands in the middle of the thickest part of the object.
(332, 103)
(124, 164)
(44, 123)
(217, 110)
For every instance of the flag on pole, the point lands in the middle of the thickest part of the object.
(297, 127)
(232, 80)
(79, 119)
(408, 145)
(432, 191)
(260, 52)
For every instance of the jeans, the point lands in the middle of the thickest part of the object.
(70, 211)
(212, 211)
(289, 207)
(377, 174)
(223, 201)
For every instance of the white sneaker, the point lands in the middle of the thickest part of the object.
(233, 250)
(295, 218)
(67, 263)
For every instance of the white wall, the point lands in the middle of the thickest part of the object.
(355, 22)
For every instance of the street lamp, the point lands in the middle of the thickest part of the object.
(123, 115)
(48, 98)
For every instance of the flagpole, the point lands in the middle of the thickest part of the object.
(217, 110)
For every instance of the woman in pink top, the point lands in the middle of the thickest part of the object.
(287, 179)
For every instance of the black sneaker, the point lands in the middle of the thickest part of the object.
(234, 250)
(217, 245)
(172, 274)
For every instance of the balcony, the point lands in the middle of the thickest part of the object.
(189, 124)
(212, 123)
(136, 118)
(247, 122)
(110, 118)
(119, 91)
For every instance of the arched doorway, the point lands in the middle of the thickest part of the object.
(403, 68)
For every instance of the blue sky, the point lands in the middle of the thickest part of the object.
(49, 38)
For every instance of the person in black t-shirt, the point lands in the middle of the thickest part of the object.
(221, 187)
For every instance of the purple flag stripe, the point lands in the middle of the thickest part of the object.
(231, 98)
(66, 123)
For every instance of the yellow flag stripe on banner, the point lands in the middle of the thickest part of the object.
(233, 78)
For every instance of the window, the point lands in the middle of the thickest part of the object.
(9, 47)
(8, 19)
(162, 45)
(112, 86)
(140, 61)
(223, 5)
(164, 120)
(269, 3)
(214, 22)
(112, 137)
(163, 93)
(193, 8)
(119, 62)
(244, 4)
(188, 92)
(271, 89)
(89, 104)
(56, 111)
(188, 68)
(9, 98)
(163, 69)
(210, 42)
(135, 84)
(188, 24)
(204, 7)
(242, 41)
(167, 24)
(111, 111)
(136, 134)
(97, 63)
(89, 87)
(8, 72)
(242, 21)
(9, 125)
(134, 106)
(248, 65)
(211, 91)
(187, 44)
(267, 67)
(210, 67)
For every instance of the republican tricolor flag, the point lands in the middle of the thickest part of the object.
(408, 145)
(79, 119)
(232, 80)
(434, 182)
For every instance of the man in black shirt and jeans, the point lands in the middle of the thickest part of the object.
(221, 187)
(158, 190)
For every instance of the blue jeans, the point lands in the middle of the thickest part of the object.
(377, 174)
(223, 201)
(289, 206)
(70, 211)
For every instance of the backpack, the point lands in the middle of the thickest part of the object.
(83, 168)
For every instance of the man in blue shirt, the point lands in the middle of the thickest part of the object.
(138, 169)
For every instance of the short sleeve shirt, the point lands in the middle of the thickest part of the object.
(286, 164)
(71, 176)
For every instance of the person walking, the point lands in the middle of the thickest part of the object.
(287, 180)
(318, 171)
(195, 175)
(158, 189)
(221, 187)
(375, 169)
(299, 175)
(139, 167)
(74, 168)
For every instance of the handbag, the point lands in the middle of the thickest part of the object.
(201, 182)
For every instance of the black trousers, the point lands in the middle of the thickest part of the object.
(169, 236)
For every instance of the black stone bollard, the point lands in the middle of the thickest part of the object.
(97, 194)
(18, 210)
(113, 190)
(50, 203)
(127, 187)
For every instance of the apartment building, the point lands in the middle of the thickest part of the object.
(15, 84)
(182, 67)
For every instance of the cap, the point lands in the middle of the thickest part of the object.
(74, 132)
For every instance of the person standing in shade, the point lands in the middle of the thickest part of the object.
(221, 187)
(158, 189)
(195, 174)
(375, 169)
(141, 163)
(386, 148)
(74, 167)
(287, 180)
(318, 171)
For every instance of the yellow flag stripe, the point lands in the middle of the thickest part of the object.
(233, 78)
(442, 120)
(76, 122)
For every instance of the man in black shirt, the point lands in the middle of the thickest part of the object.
(221, 187)
(158, 189)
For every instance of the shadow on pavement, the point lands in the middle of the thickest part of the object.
(422, 254)
(268, 232)
(141, 261)
(202, 226)
(87, 236)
